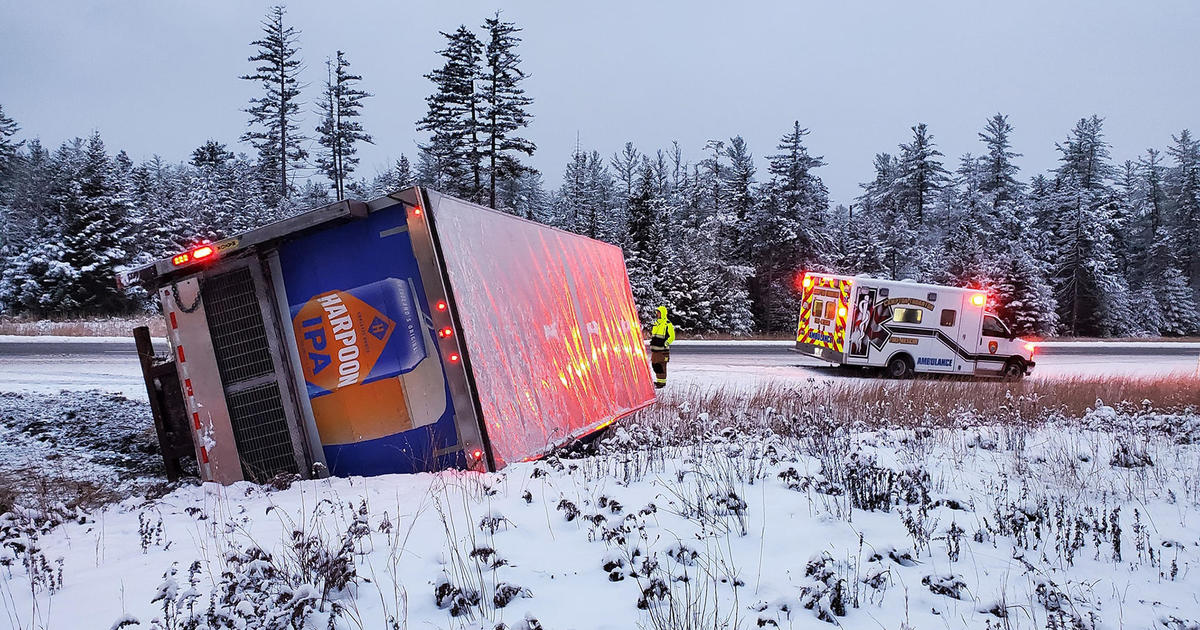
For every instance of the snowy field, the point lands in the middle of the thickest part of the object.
(719, 511)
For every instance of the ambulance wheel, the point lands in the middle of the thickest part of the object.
(899, 367)
(1014, 370)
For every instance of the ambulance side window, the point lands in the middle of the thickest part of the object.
(948, 316)
(993, 327)
(829, 309)
(904, 315)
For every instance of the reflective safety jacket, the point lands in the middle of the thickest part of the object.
(662, 334)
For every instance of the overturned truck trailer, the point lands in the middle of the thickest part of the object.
(412, 333)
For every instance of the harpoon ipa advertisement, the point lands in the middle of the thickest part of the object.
(361, 322)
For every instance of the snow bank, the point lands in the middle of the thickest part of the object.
(745, 519)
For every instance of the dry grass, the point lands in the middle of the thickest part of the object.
(98, 327)
(44, 490)
(920, 402)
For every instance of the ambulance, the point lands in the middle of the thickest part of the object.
(907, 328)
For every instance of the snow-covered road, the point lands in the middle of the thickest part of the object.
(752, 363)
(51, 364)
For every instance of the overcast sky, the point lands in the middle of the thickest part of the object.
(156, 76)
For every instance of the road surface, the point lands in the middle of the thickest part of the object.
(740, 363)
(110, 364)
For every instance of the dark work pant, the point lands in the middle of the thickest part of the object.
(658, 361)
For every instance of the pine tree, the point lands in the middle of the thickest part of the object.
(887, 222)
(921, 173)
(451, 160)
(1152, 173)
(398, 177)
(625, 165)
(1177, 305)
(27, 216)
(274, 117)
(1023, 295)
(737, 183)
(1093, 296)
(8, 151)
(211, 154)
(585, 199)
(96, 235)
(789, 236)
(504, 105)
(210, 197)
(9, 172)
(1184, 192)
(340, 130)
(999, 173)
(645, 252)
(526, 197)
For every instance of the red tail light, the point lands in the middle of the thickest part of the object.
(441, 305)
(445, 332)
(200, 253)
(454, 357)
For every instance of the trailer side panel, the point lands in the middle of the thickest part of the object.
(552, 336)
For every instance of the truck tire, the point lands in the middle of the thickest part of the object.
(1014, 370)
(899, 366)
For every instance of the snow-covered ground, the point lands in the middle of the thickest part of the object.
(681, 519)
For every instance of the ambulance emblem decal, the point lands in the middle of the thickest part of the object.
(993, 347)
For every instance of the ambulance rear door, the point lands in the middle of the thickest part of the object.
(823, 313)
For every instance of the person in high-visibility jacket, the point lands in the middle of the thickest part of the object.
(662, 335)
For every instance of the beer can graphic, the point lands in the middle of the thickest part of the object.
(356, 336)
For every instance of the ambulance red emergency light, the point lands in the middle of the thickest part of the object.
(905, 327)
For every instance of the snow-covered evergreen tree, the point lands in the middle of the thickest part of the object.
(920, 175)
(504, 106)
(999, 173)
(275, 116)
(398, 177)
(340, 131)
(451, 160)
(1023, 295)
(584, 203)
(1178, 313)
(1183, 189)
(737, 213)
(526, 197)
(8, 152)
(96, 235)
(789, 232)
(1093, 296)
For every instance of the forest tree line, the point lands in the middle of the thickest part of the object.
(1093, 247)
